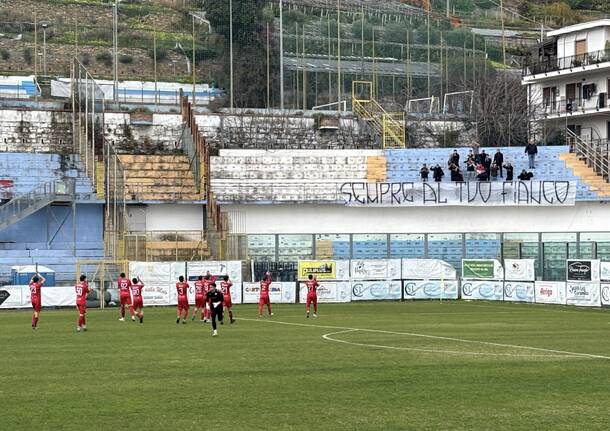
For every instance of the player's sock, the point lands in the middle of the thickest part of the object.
(131, 310)
(141, 318)
(194, 315)
(84, 320)
(178, 320)
(122, 312)
(35, 322)
(231, 317)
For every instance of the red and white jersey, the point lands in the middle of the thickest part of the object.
(200, 289)
(265, 287)
(35, 290)
(124, 285)
(225, 287)
(312, 286)
(207, 283)
(136, 290)
(182, 288)
(81, 289)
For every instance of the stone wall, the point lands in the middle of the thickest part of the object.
(35, 131)
(160, 136)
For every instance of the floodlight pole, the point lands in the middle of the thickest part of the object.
(282, 56)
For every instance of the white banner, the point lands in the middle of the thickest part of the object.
(519, 291)
(328, 291)
(279, 293)
(604, 271)
(156, 295)
(232, 268)
(19, 296)
(550, 292)
(583, 294)
(519, 270)
(431, 289)
(473, 193)
(376, 290)
(14, 297)
(159, 280)
(489, 290)
(375, 269)
(605, 294)
(427, 269)
(343, 268)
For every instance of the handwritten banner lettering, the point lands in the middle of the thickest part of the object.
(506, 193)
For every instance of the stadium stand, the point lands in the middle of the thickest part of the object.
(58, 235)
(300, 175)
(404, 165)
(264, 130)
(159, 178)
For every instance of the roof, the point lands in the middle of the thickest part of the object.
(580, 27)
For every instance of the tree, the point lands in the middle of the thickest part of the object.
(249, 46)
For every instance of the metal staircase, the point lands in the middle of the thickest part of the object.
(41, 196)
(589, 159)
(390, 126)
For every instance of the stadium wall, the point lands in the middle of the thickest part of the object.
(162, 217)
(332, 219)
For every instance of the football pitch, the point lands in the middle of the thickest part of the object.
(358, 366)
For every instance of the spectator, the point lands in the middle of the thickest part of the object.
(487, 162)
(525, 175)
(509, 171)
(454, 158)
(470, 165)
(499, 161)
(531, 150)
(424, 171)
(494, 171)
(483, 175)
(475, 151)
(455, 172)
(438, 173)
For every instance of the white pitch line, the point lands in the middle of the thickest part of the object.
(452, 352)
(434, 337)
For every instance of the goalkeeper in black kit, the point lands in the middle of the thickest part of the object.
(215, 299)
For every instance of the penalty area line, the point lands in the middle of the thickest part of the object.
(433, 337)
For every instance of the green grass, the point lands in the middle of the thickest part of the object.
(260, 375)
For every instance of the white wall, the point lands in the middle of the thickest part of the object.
(174, 217)
(585, 216)
(596, 40)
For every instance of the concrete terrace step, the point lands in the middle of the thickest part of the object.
(168, 197)
(159, 167)
(141, 174)
(134, 158)
(188, 181)
(155, 189)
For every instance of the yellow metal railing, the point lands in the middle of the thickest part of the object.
(389, 125)
(153, 246)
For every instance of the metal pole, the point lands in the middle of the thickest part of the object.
(35, 54)
(296, 85)
(155, 66)
(329, 59)
(362, 42)
(281, 56)
(428, 49)
(115, 35)
(268, 72)
(339, 82)
(194, 99)
(44, 48)
(231, 47)
(304, 73)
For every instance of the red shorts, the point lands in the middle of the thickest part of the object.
(137, 302)
(125, 300)
(82, 307)
(183, 304)
(199, 301)
(36, 304)
(264, 300)
(312, 298)
(227, 301)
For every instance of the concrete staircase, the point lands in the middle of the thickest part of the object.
(159, 178)
(586, 174)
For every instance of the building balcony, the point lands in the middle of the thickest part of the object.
(552, 67)
(563, 107)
